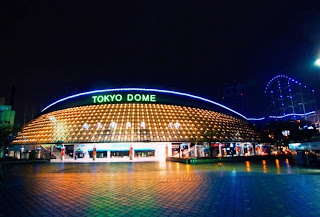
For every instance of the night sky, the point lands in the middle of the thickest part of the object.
(52, 49)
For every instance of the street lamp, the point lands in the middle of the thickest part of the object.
(317, 62)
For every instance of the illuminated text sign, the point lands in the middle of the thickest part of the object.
(127, 98)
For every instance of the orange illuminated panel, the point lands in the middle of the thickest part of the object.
(132, 123)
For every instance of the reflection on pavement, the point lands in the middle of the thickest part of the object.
(256, 188)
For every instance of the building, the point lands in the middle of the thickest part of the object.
(314, 118)
(6, 114)
(134, 123)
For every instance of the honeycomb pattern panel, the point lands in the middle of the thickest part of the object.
(132, 123)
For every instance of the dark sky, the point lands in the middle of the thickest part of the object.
(52, 49)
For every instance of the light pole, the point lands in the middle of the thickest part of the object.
(317, 62)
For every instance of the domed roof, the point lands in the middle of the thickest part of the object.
(132, 122)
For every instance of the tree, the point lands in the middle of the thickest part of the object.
(5, 138)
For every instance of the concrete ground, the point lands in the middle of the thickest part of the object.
(263, 188)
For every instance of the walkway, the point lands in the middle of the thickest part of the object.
(267, 188)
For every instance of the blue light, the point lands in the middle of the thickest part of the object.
(170, 92)
(293, 114)
(255, 119)
(145, 90)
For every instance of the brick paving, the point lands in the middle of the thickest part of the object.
(268, 188)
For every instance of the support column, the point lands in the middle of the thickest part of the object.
(242, 149)
(94, 153)
(195, 151)
(21, 151)
(39, 152)
(166, 150)
(131, 152)
(51, 151)
(74, 152)
(62, 152)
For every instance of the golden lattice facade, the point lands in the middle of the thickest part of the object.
(132, 122)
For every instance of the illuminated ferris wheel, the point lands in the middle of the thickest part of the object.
(289, 99)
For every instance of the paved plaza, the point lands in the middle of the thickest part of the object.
(262, 188)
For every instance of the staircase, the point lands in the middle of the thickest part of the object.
(56, 154)
(185, 153)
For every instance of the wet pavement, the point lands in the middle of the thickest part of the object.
(261, 188)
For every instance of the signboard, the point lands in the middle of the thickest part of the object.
(124, 98)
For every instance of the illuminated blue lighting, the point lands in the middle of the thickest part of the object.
(255, 119)
(169, 92)
(293, 114)
(279, 77)
(145, 90)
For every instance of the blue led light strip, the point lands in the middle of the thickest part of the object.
(171, 92)
(256, 119)
(147, 90)
(283, 116)
(283, 76)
